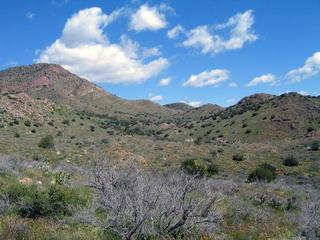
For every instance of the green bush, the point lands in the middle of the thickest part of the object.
(66, 122)
(31, 201)
(212, 169)
(27, 123)
(238, 157)
(189, 166)
(290, 161)
(315, 146)
(46, 142)
(264, 172)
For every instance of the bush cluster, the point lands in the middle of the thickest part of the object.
(190, 166)
(264, 172)
(30, 201)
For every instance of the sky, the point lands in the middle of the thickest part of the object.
(197, 52)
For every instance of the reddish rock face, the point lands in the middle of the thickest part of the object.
(40, 81)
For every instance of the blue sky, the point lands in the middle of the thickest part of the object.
(208, 51)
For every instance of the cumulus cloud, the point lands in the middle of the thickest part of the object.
(207, 78)
(165, 81)
(310, 68)
(85, 50)
(155, 98)
(240, 33)
(175, 32)
(267, 78)
(148, 18)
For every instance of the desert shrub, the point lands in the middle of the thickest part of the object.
(264, 172)
(220, 150)
(198, 141)
(27, 123)
(238, 157)
(60, 177)
(92, 128)
(31, 201)
(166, 205)
(51, 123)
(46, 142)
(17, 135)
(16, 121)
(191, 167)
(105, 140)
(59, 134)
(33, 130)
(290, 161)
(315, 146)
(66, 122)
(310, 129)
(248, 131)
(212, 169)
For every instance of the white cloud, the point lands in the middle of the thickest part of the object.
(207, 78)
(310, 68)
(165, 81)
(303, 93)
(233, 85)
(231, 100)
(195, 104)
(148, 18)
(240, 33)
(30, 15)
(85, 50)
(267, 78)
(155, 98)
(151, 52)
(175, 32)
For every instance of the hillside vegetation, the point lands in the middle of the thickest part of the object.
(77, 162)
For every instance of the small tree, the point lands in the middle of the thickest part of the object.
(46, 142)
